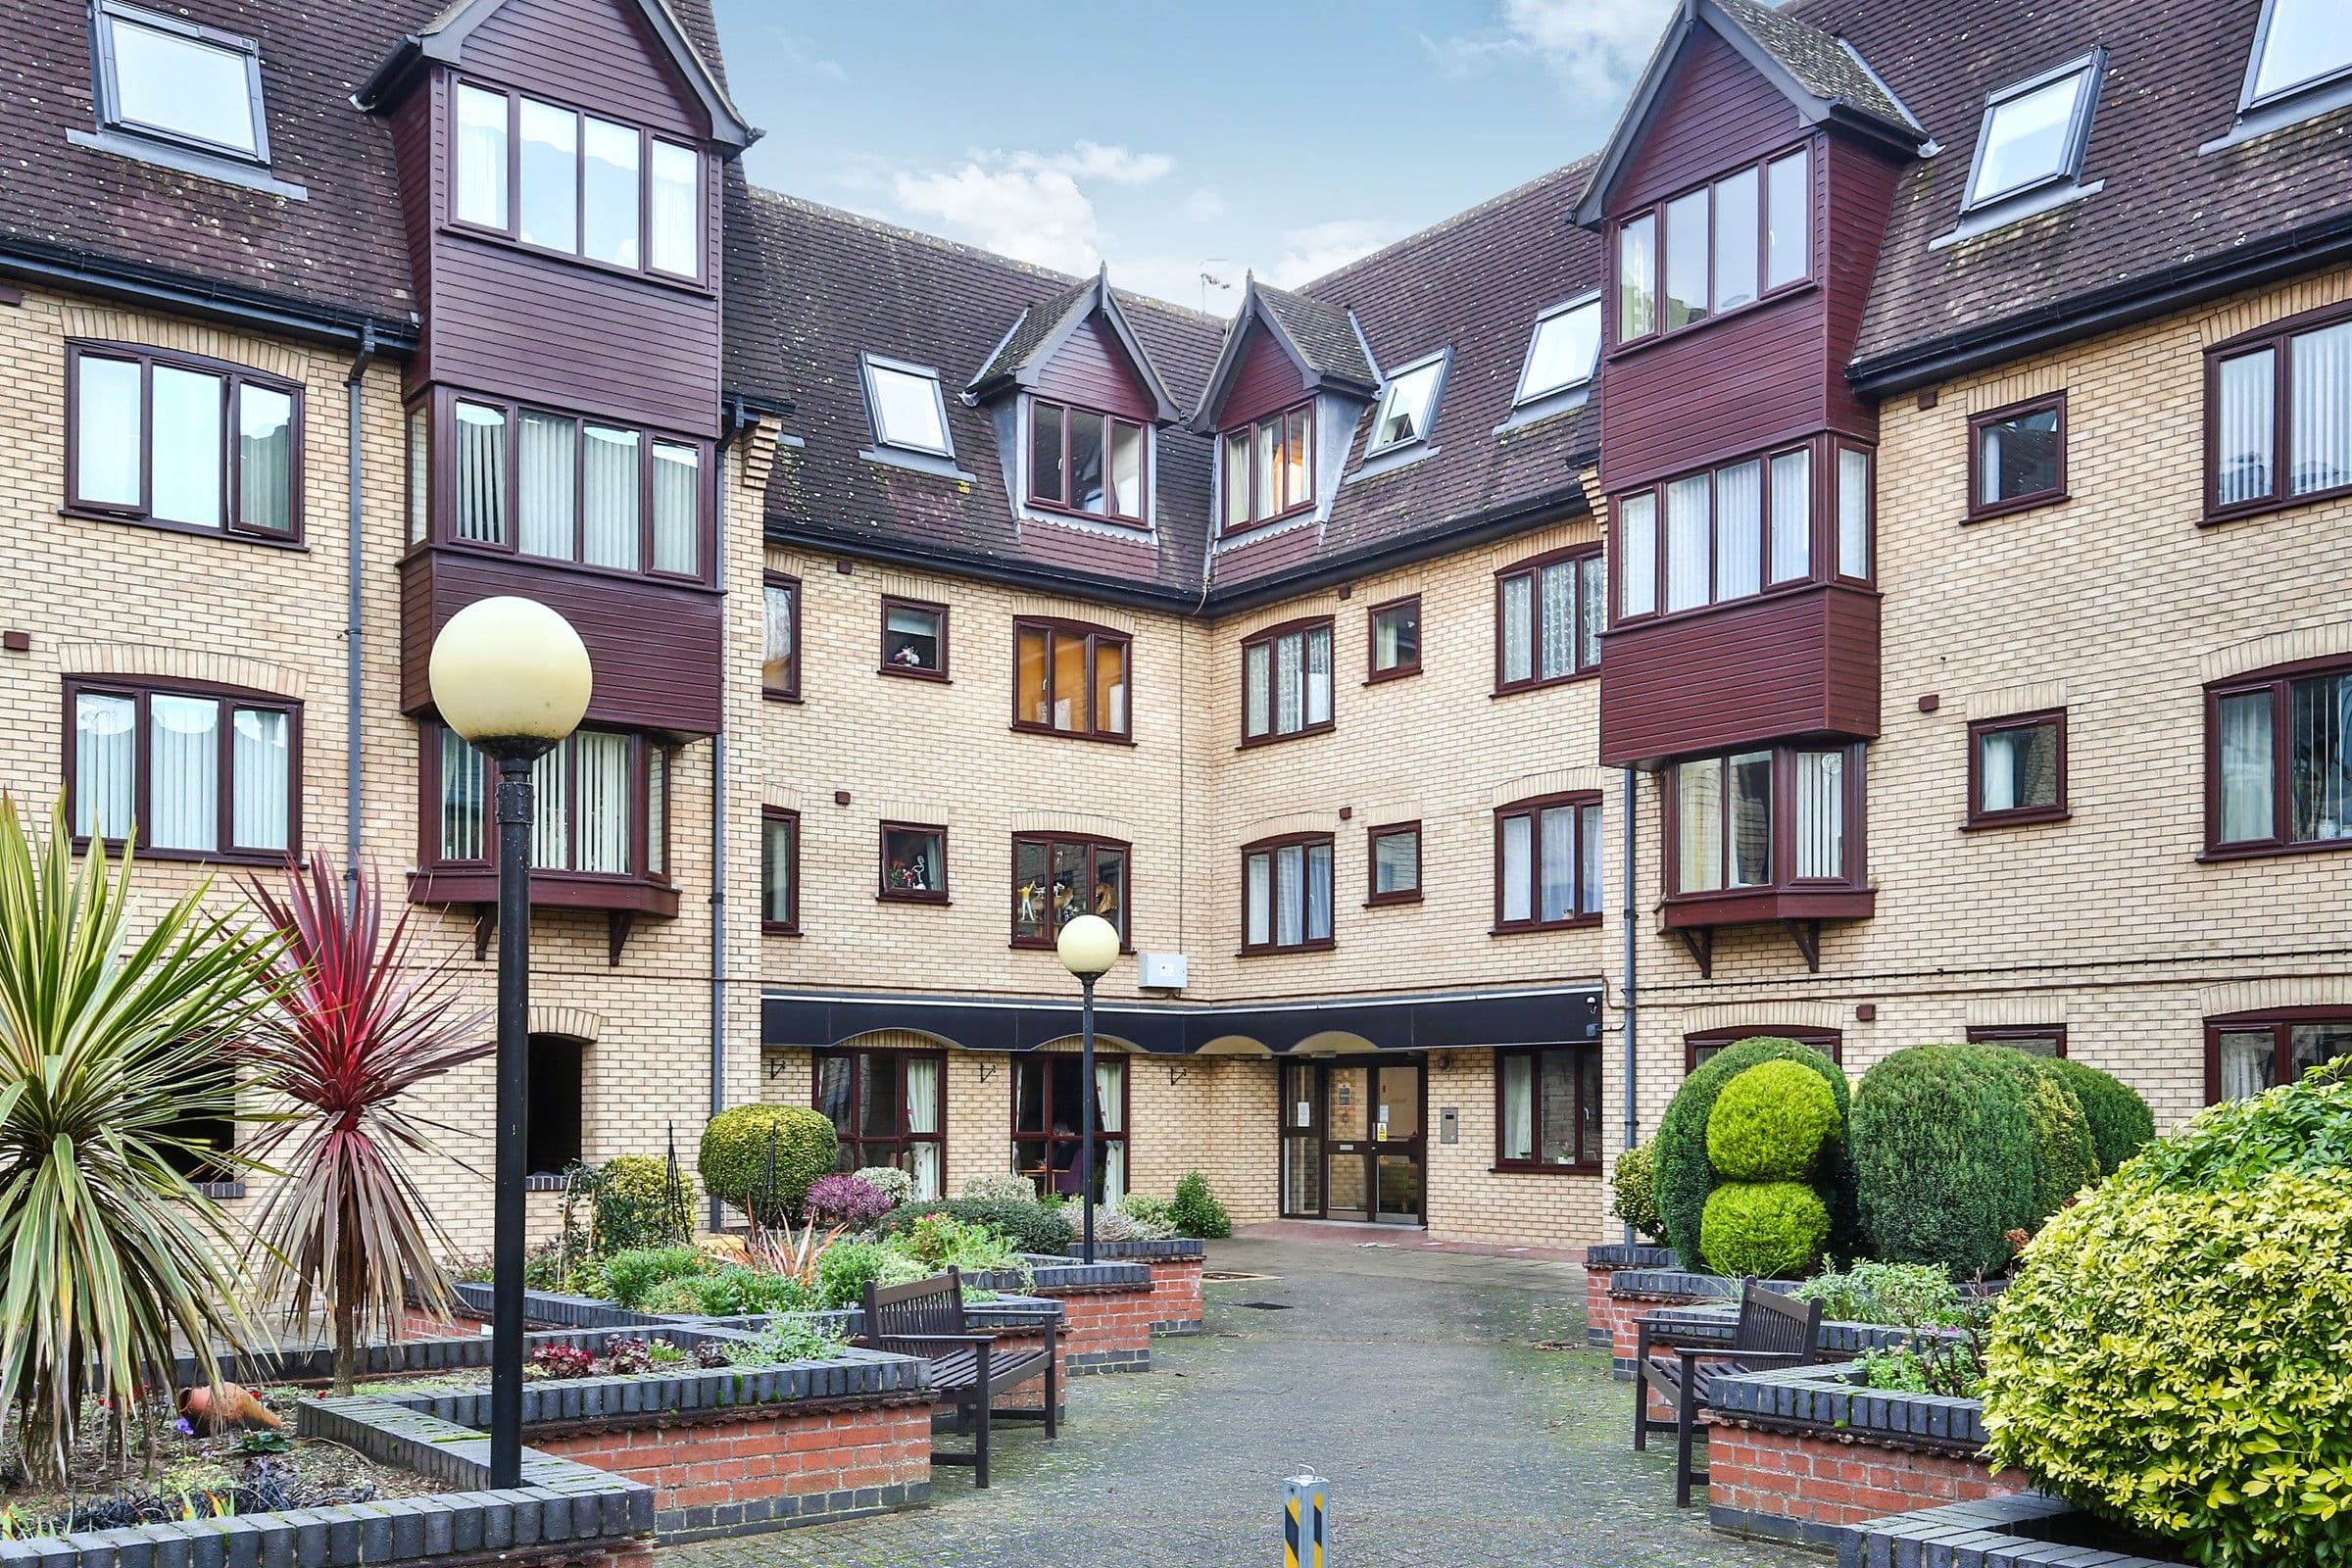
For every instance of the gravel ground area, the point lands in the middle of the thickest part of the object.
(1415, 1381)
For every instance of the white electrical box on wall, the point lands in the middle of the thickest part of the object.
(1161, 971)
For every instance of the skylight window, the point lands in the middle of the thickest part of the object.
(1561, 354)
(164, 77)
(1408, 402)
(2299, 44)
(2034, 132)
(907, 408)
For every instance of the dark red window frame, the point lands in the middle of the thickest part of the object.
(1110, 423)
(1589, 559)
(1097, 638)
(790, 822)
(884, 891)
(1287, 505)
(231, 698)
(1822, 526)
(2279, 682)
(2011, 1034)
(236, 377)
(1533, 808)
(790, 691)
(645, 834)
(1373, 673)
(864, 1062)
(1784, 878)
(1047, 1109)
(1612, 318)
(1274, 943)
(2050, 719)
(1373, 896)
(891, 602)
(2278, 337)
(1979, 508)
(2281, 1022)
(1828, 1042)
(1269, 639)
(1093, 845)
(1586, 1162)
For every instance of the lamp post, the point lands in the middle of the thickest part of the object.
(513, 678)
(1088, 945)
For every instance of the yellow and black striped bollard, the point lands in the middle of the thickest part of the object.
(1303, 1530)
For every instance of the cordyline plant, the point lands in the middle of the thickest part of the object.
(359, 1023)
(111, 1043)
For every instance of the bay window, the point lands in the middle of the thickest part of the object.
(1547, 1108)
(2279, 430)
(1550, 614)
(1285, 681)
(195, 773)
(1765, 817)
(888, 1108)
(602, 805)
(558, 179)
(1084, 460)
(182, 442)
(552, 486)
(1048, 1113)
(2246, 1053)
(1730, 532)
(1726, 244)
(1548, 862)
(1285, 894)
(1069, 678)
(1268, 468)
(2280, 759)
(1058, 877)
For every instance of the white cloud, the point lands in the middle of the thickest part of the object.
(1308, 253)
(1029, 204)
(1204, 204)
(796, 52)
(1596, 47)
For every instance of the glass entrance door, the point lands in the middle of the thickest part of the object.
(1396, 1144)
(1348, 1146)
(1353, 1141)
(1301, 1141)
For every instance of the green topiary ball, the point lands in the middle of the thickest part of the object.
(2121, 1123)
(2065, 1160)
(2172, 1357)
(1633, 1190)
(1771, 1123)
(734, 1157)
(1945, 1158)
(1774, 1230)
(1685, 1176)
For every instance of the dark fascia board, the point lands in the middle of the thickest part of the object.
(1098, 297)
(156, 287)
(444, 42)
(2087, 314)
(1811, 107)
(1253, 311)
(984, 569)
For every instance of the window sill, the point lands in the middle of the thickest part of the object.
(673, 281)
(264, 857)
(192, 531)
(1390, 901)
(1050, 733)
(768, 929)
(189, 161)
(1325, 945)
(1536, 1167)
(1762, 906)
(1992, 820)
(1516, 687)
(1582, 922)
(1400, 672)
(937, 465)
(913, 673)
(219, 1191)
(1659, 337)
(2218, 854)
(2017, 504)
(550, 890)
(1251, 743)
(2215, 517)
(939, 901)
(1059, 512)
(794, 698)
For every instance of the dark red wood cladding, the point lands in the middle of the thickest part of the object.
(1859, 194)
(1091, 370)
(1265, 380)
(597, 53)
(1748, 380)
(1717, 113)
(658, 648)
(1798, 664)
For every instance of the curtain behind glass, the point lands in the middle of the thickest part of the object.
(1518, 867)
(1318, 893)
(1557, 834)
(1690, 541)
(1257, 688)
(1853, 512)
(1698, 826)
(2245, 427)
(1518, 627)
(2320, 431)
(1289, 696)
(260, 753)
(1559, 619)
(1588, 846)
(551, 832)
(1820, 814)
(2319, 762)
(1791, 516)
(1518, 1107)
(1318, 676)
(604, 802)
(677, 508)
(1748, 776)
(2246, 767)
(922, 1116)
(1290, 906)
(1739, 529)
(1592, 601)
(1259, 899)
(546, 504)
(608, 479)
(183, 762)
(2249, 1065)
(265, 460)
(1638, 539)
(481, 478)
(462, 773)
(105, 764)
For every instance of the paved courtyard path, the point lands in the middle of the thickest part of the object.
(1414, 1380)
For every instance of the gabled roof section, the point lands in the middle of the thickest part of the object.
(443, 41)
(1320, 339)
(1818, 72)
(1044, 327)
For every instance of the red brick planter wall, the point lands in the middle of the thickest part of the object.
(739, 1470)
(1176, 1295)
(1810, 1486)
(1109, 1329)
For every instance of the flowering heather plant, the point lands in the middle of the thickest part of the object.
(849, 1200)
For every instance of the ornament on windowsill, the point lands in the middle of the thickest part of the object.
(911, 876)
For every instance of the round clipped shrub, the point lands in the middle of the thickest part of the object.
(2121, 1123)
(1771, 1123)
(1633, 1193)
(734, 1157)
(1685, 1176)
(2172, 1360)
(1771, 1229)
(1945, 1158)
(2065, 1160)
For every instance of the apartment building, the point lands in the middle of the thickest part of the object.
(1852, 559)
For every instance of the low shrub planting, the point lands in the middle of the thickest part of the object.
(1943, 1148)
(1195, 1210)
(630, 1277)
(786, 1340)
(762, 1159)
(1150, 1211)
(1771, 1123)
(1003, 1186)
(1896, 1294)
(1028, 1226)
(2121, 1123)
(640, 1202)
(941, 1240)
(731, 1291)
(846, 1201)
(888, 1180)
(847, 1267)
(1148, 1223)
(1772, 1228)
(1634, 1192)
(1684, 1176)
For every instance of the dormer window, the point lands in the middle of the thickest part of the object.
(164, 77)
(1733, 241)
(1087, 462)
(1409, 404)
(2034, 132)
(1561, 354)
(1269, 469)
(907, 407)
(2301, 44)
(561, 180)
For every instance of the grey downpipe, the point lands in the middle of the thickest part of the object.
(353, 627)
(718, 841)
(1625, 998)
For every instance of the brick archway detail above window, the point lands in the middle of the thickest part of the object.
(2330, 641)
(1762, 1016)
(1286, 823)
(568, 1023)
(185, 338)
(1038, 607)
(2316, 293)
(1559, 781)
(154, 662)
(1105, 1046)
(2041, 381)
(2016, 1012)
(1090, 824)
(2003, 702)
(2274, 996)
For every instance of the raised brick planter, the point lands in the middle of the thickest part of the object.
(1107, 1310)
(1806, 1455)
(1175, 1265)
(2023, 1531)
(1602, 1312)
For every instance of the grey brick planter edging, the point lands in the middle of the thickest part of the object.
(1825, 1400)
(854, 1375)
(1692, 1284)
(1151, 1252)
(1712, 1324)
(1978, 1534)
(1616, 1254)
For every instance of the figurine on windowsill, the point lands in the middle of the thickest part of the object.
(1030, 909)
(909, 657)
(911, 876)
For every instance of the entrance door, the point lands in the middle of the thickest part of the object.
(1301, 1140)
(1352, 1145)
(1396, 1144)
(1348, 1146)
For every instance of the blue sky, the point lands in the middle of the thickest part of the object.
(1286, 136)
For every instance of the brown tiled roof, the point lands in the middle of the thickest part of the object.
(1819, 63)
(1322, 333)
(2172, 79)
(1037, 324)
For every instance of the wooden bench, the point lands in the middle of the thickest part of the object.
(925, 1319)
(1774, 1330)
